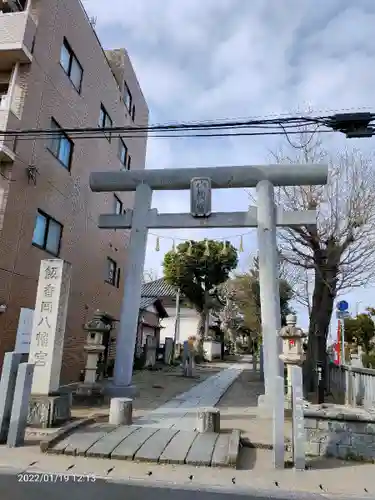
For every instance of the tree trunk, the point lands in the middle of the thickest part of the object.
(201, 326)
(320, 318)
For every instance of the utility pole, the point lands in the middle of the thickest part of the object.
(176, 322)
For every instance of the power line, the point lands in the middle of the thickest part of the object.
(294, 122)
(104, 135)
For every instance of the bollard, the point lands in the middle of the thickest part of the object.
(208, 420)
(121, 411)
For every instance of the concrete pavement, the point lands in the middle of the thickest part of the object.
(17, 485)
(349, 479)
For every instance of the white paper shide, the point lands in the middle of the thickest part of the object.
(47, 339)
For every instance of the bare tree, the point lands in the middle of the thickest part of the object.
(339, 251)
(150, 275)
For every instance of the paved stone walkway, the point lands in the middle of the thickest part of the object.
(150, 444)
(180, 412)
(165, 435)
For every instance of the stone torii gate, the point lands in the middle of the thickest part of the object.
(266, 217)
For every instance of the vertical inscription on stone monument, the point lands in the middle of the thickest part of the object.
(299, 437)
(49, 325)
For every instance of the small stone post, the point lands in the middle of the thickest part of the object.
(7, 388)
(168, 350)
(208, 420)
(20, 407)
(293, 352)
(121, 411)
(188, 359)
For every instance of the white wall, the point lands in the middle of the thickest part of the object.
(189, 320)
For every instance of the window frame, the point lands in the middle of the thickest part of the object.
(48, 219)
(118, 203)
(64, 135)
(129, 95)
(103, 112)
(122, 144)
(72, 57)
(115, 281)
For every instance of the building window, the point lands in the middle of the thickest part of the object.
(61, 146)
(113, 273)
(71, 65)
(129, 162)
(133, 112)
(105, 121)
(47, 233)
(123, 152)
(118, 205)
(127, 97)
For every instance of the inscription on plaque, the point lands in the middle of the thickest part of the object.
(200, 197)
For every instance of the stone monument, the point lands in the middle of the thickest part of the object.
(20, 406)
(48, 406)
(299, 435)
(7, 387)
(188, 359)
(168, 351)
(293, 351)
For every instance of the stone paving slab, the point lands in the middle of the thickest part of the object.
(221, 450)
(178, 448)
(67, 443)
(150, 444)
(127, 449)
(86, 437)
(155, 445)
(202, 449)
(105, 446)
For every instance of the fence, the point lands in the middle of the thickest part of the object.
(352, 385)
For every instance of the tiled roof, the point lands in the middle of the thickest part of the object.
(146, 302)
(158, 289)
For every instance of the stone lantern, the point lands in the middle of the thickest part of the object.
(293, 350)
(100, 324)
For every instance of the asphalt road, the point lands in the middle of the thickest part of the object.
(39, 487)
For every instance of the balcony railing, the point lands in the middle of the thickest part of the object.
(8, 121)
(17, 33)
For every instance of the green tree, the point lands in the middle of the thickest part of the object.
(247, 297)
(361, 331)
(197, 268)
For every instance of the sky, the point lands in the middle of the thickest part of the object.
(217, 59)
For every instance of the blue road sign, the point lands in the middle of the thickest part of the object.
(342, 306)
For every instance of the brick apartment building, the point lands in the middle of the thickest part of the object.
(55, 74)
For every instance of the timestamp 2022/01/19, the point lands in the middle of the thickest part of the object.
(54, 477)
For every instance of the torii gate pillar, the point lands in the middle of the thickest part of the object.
(127, 335)
(269, 288)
